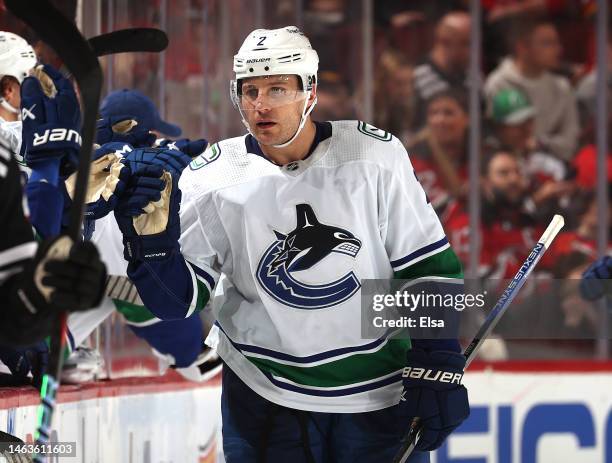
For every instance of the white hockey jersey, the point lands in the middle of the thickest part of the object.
(293, 244)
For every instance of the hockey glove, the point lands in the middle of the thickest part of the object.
(107, 180)
(597, 279)
(171, 160)
(191, 148)
(123, 129)
(51, 121)
(61, 276)
(148, 215)
(433, 392)
(25, 360)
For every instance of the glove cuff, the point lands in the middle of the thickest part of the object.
(149, 247)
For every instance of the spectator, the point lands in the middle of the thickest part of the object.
(585, 161)
(439, 152)
(334, 99)
(393, 95)
(513, 130)
(536, 52)
(447, 64)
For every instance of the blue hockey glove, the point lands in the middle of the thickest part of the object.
(434, 393)
(123, 129)
(191, 148)
(51, 121)
(25, 360)
(148, 215)
(597, 279)
(171, 160)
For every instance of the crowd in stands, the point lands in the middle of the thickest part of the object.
(538, 102)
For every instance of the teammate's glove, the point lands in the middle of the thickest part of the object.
(433, 392)
(171, 160)
(107, 180)
(123, 129)
(22, 361)
(51, 120)
(61, 276)
(597, 279)
(191, 148)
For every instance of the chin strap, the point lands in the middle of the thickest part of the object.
(6, 105)
(305, 114)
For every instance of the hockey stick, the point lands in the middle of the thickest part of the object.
(410, 440)
(78, 56)
(137, 39)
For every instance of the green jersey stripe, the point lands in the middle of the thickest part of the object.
(443, 264)
(344, 372)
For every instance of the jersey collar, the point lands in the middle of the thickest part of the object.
(323, 132)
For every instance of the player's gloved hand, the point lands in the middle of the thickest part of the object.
(51, 121)
(191, 148)
(107, 180)
(61, 276)
(24, 360)
(123, 129)
(597, 279)
(171, 160)
(148, 214)
(433, 392)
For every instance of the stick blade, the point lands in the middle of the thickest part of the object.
(138, 39)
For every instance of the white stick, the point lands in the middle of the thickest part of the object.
(556, 224)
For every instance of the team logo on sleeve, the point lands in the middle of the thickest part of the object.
(308, 244)
(208, 156)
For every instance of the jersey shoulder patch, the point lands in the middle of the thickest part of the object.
(374, 132)
(210, 155)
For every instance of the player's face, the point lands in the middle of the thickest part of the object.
(447, 121)
(272, 106)
(504, 177)
(11, 91)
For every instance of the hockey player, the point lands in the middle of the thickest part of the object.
(17, 58)
(38, 281)
(294, 215)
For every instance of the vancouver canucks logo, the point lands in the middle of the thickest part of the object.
(309, 243)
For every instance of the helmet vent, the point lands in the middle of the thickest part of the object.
(290, 58)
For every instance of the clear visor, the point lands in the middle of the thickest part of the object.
(266, 92)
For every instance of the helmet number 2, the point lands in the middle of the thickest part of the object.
(261, 41)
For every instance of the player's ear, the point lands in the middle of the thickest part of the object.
(313, 94)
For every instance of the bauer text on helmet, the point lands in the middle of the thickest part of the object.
(275, 52)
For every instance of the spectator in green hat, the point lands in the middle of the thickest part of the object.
(513, 121)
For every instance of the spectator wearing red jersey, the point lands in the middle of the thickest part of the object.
(439, 152)
(513, 119)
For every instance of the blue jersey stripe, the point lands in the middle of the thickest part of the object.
(198, 271)
(308, 358)
(420, 252)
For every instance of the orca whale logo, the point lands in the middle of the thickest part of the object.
(309, 243)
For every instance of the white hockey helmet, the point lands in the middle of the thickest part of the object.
(269, 52)
(17, 57)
